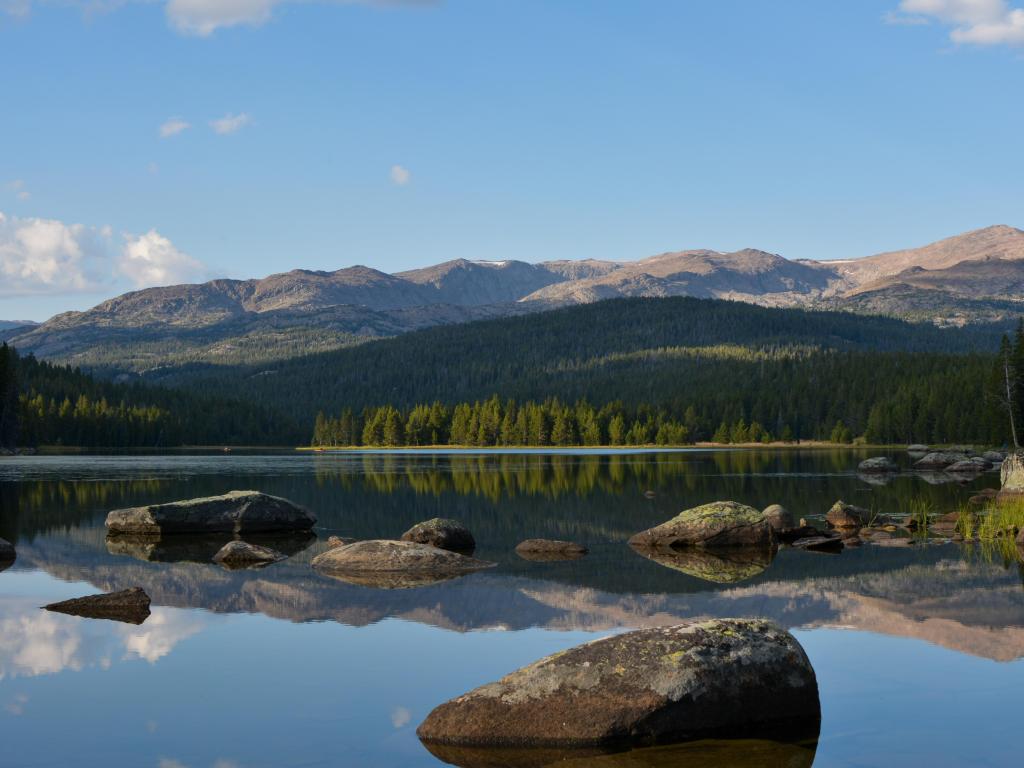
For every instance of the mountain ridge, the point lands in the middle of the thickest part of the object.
(977, 276)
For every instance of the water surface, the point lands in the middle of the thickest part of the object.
(917, 649)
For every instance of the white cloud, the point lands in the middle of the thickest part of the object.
(203, 17)
(49, 256)
(230, 123)
(173, 127)
(151, 259)
(400, 175)
(976, 22)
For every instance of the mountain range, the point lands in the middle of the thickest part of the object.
(974, 277)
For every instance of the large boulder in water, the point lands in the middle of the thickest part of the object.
(878, 465)
(130, 606)
(714, 525)
(1012, 474)
(445, 534)
(394, 564)
(732, 677)
(940, 460)
(236, 512)
(843, 515)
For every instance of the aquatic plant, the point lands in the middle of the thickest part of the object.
(1003, 519)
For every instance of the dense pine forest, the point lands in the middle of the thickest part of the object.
(623, 372)
(46, 404)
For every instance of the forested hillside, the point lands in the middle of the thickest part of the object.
(792, 371)
(45, 404)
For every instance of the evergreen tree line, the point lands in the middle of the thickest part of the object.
(46, 404)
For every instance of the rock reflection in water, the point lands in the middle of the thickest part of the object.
(392, 579)
(719, 566)
(739, 753)
(184, 548)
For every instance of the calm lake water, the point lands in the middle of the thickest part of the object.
(917, 650)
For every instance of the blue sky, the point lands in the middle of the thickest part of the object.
(146, 143)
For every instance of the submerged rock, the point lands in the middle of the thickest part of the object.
(821, 544)
(445, 534)
(241, 554)
(940, 459)
(130, 606)
(547, 550)
(395, 564)
(730, 677)
(715, 525)
(1012, 475)
(235, 512)
(706, 753)
(843, 515)
(778, 517)
(878, 464)
(729, 565)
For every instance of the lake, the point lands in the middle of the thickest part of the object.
(917, 649)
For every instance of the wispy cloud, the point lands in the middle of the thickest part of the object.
(17, 186)
(973, 22)
(400, 175)
(230, 123)
(173, 127)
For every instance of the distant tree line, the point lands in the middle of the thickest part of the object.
(45, 404)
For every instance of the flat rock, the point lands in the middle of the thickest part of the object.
(843, 515)
(443, 533)
(544, 550)
(241, 554)
(729, 565)
(879, 465)
(939, 460)
(715, 525)
(778, 517)
(237, 512)
(395, 564)
(130, 606)
(804, 531)
(653, 686)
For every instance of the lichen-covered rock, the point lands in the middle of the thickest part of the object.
(715, 525)
(843, 515)
(445, 534)
(1012, 474)
(236, 512)
(394, 564)
(878, 465)
(241, 554)
(339, 541)
(731, 677)
(729, 565)
(940, 460)
(778, 517)
(130, 606)
(546, 550)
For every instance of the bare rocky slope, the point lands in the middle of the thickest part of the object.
(973, 277)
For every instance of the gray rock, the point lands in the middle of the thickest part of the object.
(394, 564)
(237, 512)
(778, 517)
(940, 460)
(878, 464)
(446, 534)
(130, 606)
(241, 554)
(1012, 474)
(918, 448)
(994, 457)
(843, 515)
(967, 467)
(652, 686)
(546, 550)
(718, 524)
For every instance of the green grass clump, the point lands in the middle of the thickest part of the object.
(1002, 520)
(966, 524)
(920, 511)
